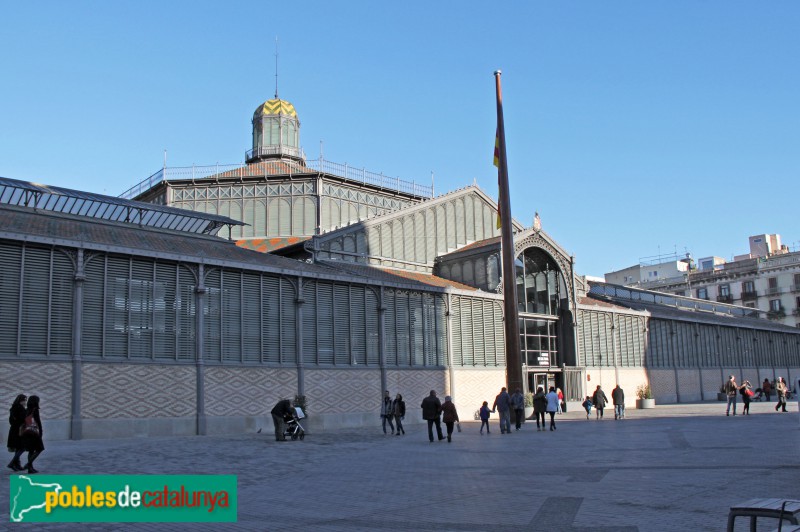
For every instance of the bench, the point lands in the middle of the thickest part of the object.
(783, 509)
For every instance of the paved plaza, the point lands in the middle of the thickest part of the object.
(676, 467)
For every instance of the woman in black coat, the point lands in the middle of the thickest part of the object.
(32, 437)
(16, 418)
(399, 411)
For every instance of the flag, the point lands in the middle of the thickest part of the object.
(497, 164)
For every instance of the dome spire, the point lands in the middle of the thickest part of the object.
(276, 67)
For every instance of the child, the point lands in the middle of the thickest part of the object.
(587, 404)
(485, 417)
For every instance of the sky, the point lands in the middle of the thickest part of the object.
(633, 128)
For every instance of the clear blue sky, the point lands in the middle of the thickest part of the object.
(632, 127)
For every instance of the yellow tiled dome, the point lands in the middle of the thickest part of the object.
(275, 106)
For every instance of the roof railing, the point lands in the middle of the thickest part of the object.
(344, 171)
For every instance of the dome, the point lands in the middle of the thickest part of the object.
(275, 106)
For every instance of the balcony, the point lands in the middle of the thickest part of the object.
(796, 312)
(774, 291)
(727, 298)
(776, 314)
(749, 294)
(795, 288)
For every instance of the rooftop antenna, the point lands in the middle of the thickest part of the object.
(276, 67)
(433, 190)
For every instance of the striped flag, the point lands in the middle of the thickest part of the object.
(497, 164)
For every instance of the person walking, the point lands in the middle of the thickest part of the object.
(386, 412)
(431, 409)
(731, 390)
(746, 392)
(32, 433)
(561, 403)
(587, 405)
(599, 400)
(399, 411)
(16, 419)
(280, 412)
(449, 416)
(781, 389)
(518, 402)
(618, 398)
(502, 404)
(552, 406)
(539, 406)
(767, 389)
(484, 414)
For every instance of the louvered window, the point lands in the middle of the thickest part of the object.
(310, 322)
(358, 325)
(61, 297)
(231, 316)
(417, 329)
(372, 328)
(185, 314)
(117, 323)
(10, 275)
(325, 312)
(341, 306)
(35, 301)
(288, 322)
(251, 318)
(212, 312)
(94, 312)
(390, 327)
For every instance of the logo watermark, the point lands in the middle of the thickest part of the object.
(123, 498)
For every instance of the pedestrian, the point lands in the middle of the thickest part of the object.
(767, 389)
(484, 413)
(731, 389)
(32, 433)
(587, 405)
(518, 402)
(386, 411)
(746, 392)
(399, 411)
(618, 398)
(502, 404)
(431, 409)
(781, 389)
(449, 416)
(280, 412)
(16, 419)
(539, 406)
(552, 406)
(599, 400)
(561, 405)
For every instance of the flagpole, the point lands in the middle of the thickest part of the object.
(511, 321)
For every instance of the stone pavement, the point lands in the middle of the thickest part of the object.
(676, 467)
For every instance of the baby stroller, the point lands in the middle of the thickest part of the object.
(293, 427)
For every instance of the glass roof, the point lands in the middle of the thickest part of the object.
(89, 204)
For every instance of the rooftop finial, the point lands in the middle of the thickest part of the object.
(276, 67)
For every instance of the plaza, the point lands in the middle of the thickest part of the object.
(675, 467)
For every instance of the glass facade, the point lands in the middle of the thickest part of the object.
(538, 293)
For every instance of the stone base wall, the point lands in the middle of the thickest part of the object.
(122, 400)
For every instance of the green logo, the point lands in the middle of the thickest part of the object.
(122, 498)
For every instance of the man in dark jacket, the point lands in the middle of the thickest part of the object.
(431, 409)
(618, 397)
(279, 412)
(502, 403)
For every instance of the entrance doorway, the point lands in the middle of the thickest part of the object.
(545, 380)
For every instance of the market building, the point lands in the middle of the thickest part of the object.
(194, 301)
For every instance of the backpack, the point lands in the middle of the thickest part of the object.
(30, 426)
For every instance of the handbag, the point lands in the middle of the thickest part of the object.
(29, 427)
(458, 426)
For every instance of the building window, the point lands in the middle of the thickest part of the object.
(775, 305)
(725, 290)
(702, 293)
(748, 289)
